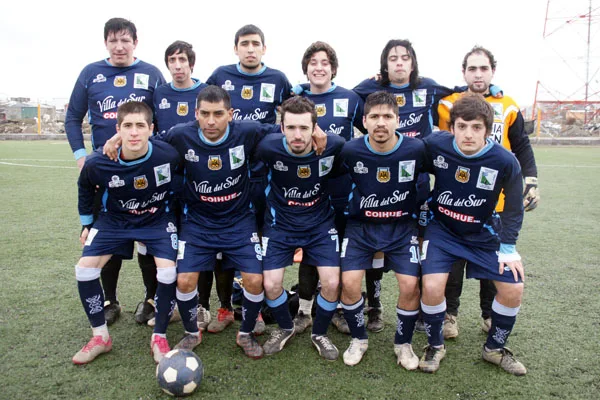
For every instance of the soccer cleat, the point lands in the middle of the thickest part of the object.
(450, 326)
(279, 337)
(406, 356)
(250, 345)
(505, 359)
(112, 311)
(420, 326)
(203, 318)
(159, 346)
(174, 317)
(144, 311)
(259, 327)
(340, 322)
(375, 323)
(302, 322)
(225, 318)
(430, 362)
(189, 341)
(92, 349)
(486, 324)
(325, 347)
(354, 353)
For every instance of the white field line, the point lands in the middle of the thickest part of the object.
(567, 166)
(36, 166)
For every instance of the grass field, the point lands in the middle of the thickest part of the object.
(42, 323)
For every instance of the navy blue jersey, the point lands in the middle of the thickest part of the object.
(339, 110)
(256, 96)
(135, 193)
(415, 106)
(216, 185)
(99, 90)
(384, 185)
(467, 188)
(174, 106)
(296, 197)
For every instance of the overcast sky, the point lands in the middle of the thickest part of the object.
(44, 45)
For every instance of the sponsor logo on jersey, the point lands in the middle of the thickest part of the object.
(140, 81)
(162, 173)
(498, 111)
(321, 109)
(120, 81)
(406, 171)
(419, 97)
(325, 165)
(140, 182)
(340, 107)
(99, 79)
(383, 174)
(487, 178)
(267, 92)
(303, 171)
(191, 156)
(236, 157)
(458, 216)
(279, 166)
(462, 174)
(214, 163)
(171, 227)
(164, 104)
(400, 99)
(182, 108)
(228, 86)
(116, 182)
(247, 92)
(360, 168)
(440, 162)
(497, 132)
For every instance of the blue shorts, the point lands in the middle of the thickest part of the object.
(398, 241)
(320, 247)
(198, 247)
(441, 249)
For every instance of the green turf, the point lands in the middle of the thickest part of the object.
(42, 324)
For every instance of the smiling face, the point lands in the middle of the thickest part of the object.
(478, 73)
(250, 50)
(319, 72)
(470, 136)
(120, 46)
(399, 65)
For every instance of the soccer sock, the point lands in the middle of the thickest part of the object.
(325, 311)
(110, 277)
(224, 278)
(433, 318)
(165, 297)
(281, 311)
(251, 304)
(205, 282)
(91, 294)
(308, 277)
(373, 278)
(305, 306)
(148, 268)
(354, 314)
(406, 325)
(503, 321)
(101, 330)
(188, 308)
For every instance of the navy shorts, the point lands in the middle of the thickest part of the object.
(398, 241)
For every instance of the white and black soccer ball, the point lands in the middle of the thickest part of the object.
(179, 373)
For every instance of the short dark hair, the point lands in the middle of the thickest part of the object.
(383, 69)
(249, 30)
(381, 98)
(214, 94)
(179, 46)
(116, 25)
(480, 50)
(134, 107)
(472, 106)
(315, 48)
(299, 105)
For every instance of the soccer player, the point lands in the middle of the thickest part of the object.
(136, 205)
(300, 215)
(508, 129)
(101, 87)
(471, 170)
(384, 166)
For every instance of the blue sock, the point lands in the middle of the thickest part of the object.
(188, 308)
(433, 318)
(325, 311)
(356, 319)
(91, 294)
(251, 304)
(165, 297)
(406, 325)
(503, 321)
(281, 311)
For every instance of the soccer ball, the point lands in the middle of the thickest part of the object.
(179, 373)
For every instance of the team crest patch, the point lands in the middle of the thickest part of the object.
(164, 104)
(140, 81)
(419, 97)
(406, 172)
(303, 171)
(236, 157)
(267, 92)
(462, 174)
(162, 173)
(325, 165)
(360, 168)
(247, 92)
(487, 178)
(321, 109)
(228, 86)
(120, 81)
(116, 182)
(383, 174)
(140, 182)
(279, 166)
(340, 107)
(191, 156)
(440, 162)
(182, 108)
(99, 79)
(400, 99)
(214, 163)
(498, 111)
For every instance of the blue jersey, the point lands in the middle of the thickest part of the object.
(216, 185)
(99, 90)
(174, 106)
(384, 184)
(255, 96)
(134, 193)
(416, 107)
(467, 188)
(296, 197)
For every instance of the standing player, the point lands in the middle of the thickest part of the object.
(384, 166)
(471, 170)
(508, 129)
(136, 205)
(102, 87)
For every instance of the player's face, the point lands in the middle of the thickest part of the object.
(180, 69)
(399, 63)
(319, 70)
(381, 122)
(120, 46)
(213, 119)
(469, 135)
(135, 132)
(298, 130)
(250, 50)
(479, 73)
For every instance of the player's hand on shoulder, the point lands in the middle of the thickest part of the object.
(531, 194)
(111, 147)
(496, 91)
(319, 140)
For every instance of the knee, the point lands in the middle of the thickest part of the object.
(511, 293)
(253, 283)
(330, 287)
(272, 288)
(433, 290)
(186, 283)
(410, 290)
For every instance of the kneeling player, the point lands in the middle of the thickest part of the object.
(470, 171)
(136, 206)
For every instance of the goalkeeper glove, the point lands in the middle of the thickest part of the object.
(531, 195)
